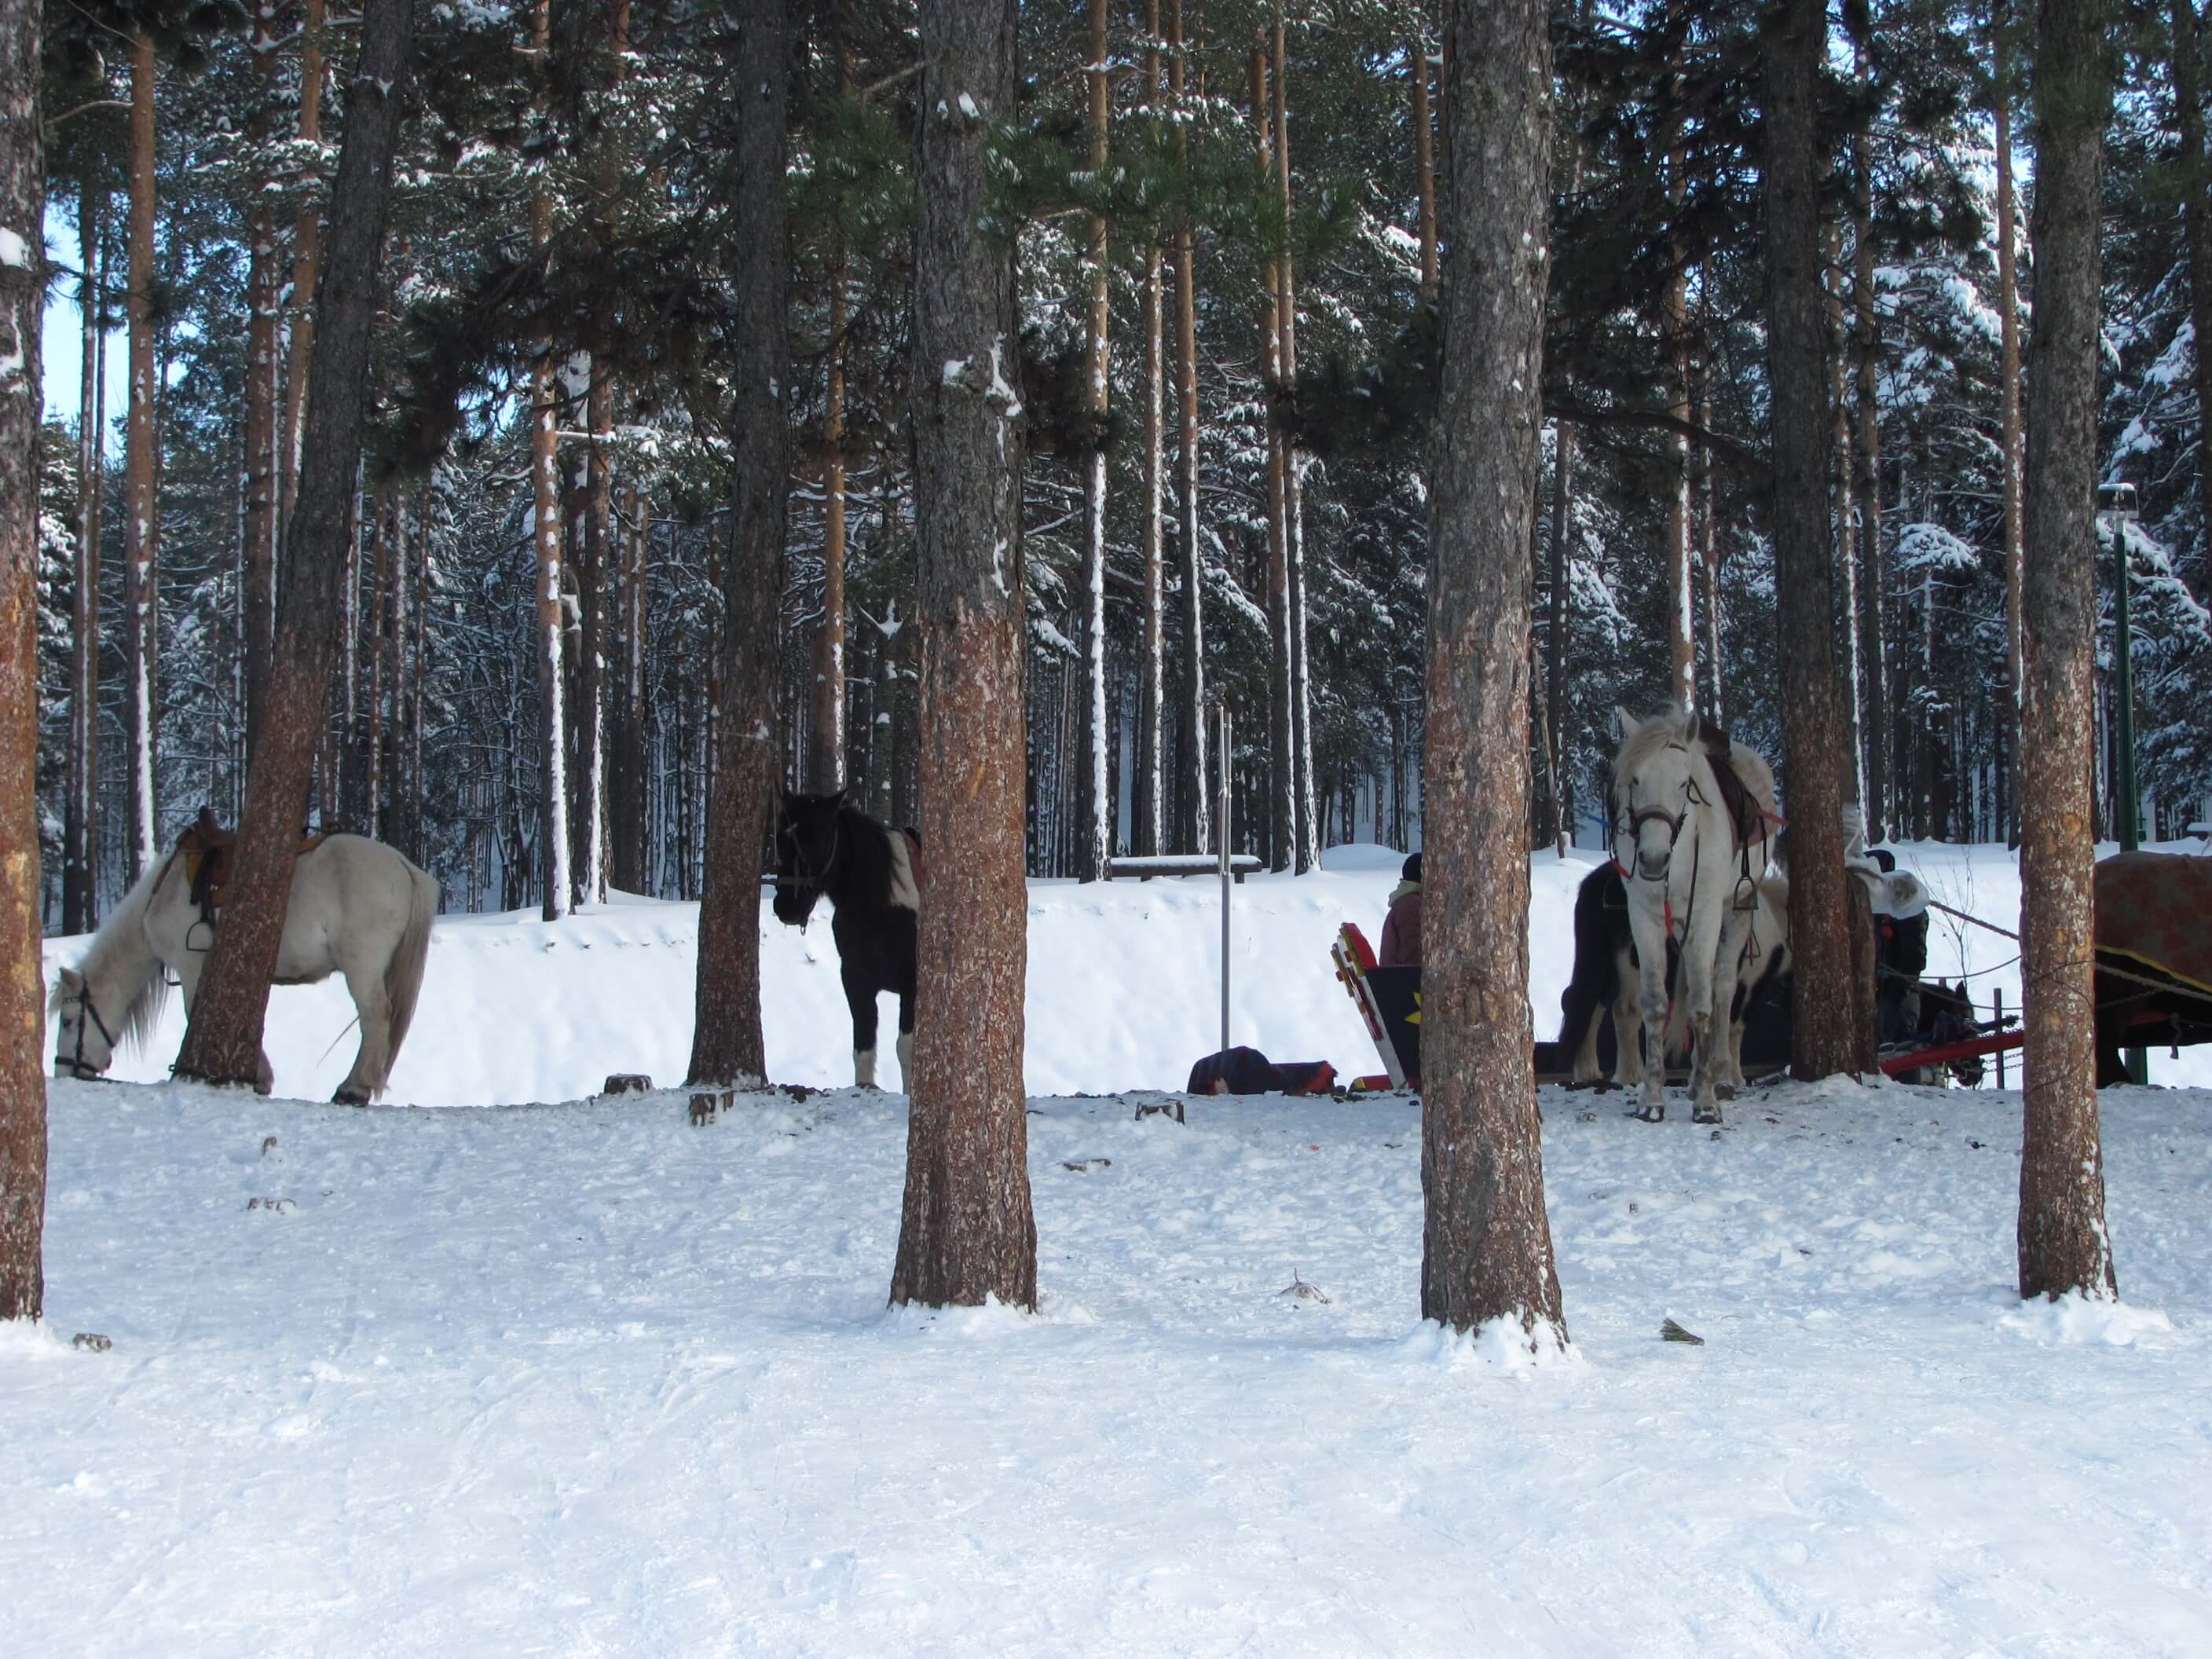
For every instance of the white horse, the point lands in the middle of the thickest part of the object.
(1762, 956)
(1692, 839)
(358, 908)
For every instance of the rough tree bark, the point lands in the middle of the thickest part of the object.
(264, 280)
(1822, 1025)
(1151, 700)
(22, 984)
(1872, 561)
(1307, 852)
(2009, 375)
(307, 257)
(726, 1039)
(545, 486)
(1281, 817)
(81, 818)
(828, 748)
(138, 509)
(1681, 600)
(1093, 841)
(966, 1230)
(1486, 1243)
(223, 1042)
(2063, 1244)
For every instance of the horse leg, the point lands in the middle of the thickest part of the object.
(372, 1066)
(906, 1040)
(1702, 976)
(1651, 1003)
(861, 999)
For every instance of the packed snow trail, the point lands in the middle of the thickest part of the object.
(582, 1379)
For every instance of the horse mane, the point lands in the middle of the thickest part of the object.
(123, 923)
(1669, 727)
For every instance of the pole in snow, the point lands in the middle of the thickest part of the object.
(1221, 820)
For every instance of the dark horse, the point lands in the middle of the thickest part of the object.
(870, 873)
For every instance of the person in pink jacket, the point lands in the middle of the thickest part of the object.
(1401, 928)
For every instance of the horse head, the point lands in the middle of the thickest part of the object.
(85, 1045)
(808, 842)
(1659, 778)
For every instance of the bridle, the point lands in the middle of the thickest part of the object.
(1639, 817)
(803, 878)
(86, 1007)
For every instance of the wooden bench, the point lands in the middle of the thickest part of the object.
(1181, 864)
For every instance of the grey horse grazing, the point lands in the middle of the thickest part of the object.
(357, 908)
(1693, 824)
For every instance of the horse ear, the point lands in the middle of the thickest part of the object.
(72, 981)
(1692, 727)
(1623, 722)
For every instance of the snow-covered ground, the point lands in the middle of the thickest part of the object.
(582, 1379)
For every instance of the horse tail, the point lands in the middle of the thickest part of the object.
(1596, 980)
(403, 974)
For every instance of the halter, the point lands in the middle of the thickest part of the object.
(85, 1006)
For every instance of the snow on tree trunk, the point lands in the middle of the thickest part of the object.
(138, 510)
(1681, 604)
(1093, 840)
(1845, 485)
(1279, 826)
(223, 1042)
(1151, 700)
(1486, 1243)
(591, 721)
(827, 748)
(726, 1046)
(264, 277)
(966, 1228)
(306, 255)
(1873, 563)
(545, 483)
(81, 818)
(1196, 815)
(2008, 372)
(2063, 1245)
(2196, 224)
(22, 984)
(1822, 1024)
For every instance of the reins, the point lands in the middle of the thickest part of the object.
(86, 1005)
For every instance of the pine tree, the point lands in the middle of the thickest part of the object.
(22, 1002)
(2063, 1243)
(222, 1044)
(966, 1230)
(1486, 1243)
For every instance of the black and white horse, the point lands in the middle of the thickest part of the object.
(827, 848)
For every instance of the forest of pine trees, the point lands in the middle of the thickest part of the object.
(1224, 226)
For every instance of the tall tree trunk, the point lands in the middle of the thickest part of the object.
(1872, 561)
(1424, 164)
(630, 765)
(1681, 602)
(966, 1228)
(139, 528)
(1556, 689)
(1282, 817)
(1197, 813)
(307, 254)
(828, 746)
(22, 983)
(1709, 555)
(1823, 1027)
(1307, 854)
(1486, 1245)
(386, 532)
(223, 1042)
(1093, 840)
(2063, 1243)
(726, 1047)
(591, 783)
(264, 279)
(2009, 373)
(81, 828)
(2196, 224)
(1151, 700)
(1843, 481)
(545, 482)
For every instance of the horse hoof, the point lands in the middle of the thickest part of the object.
(1725, 1091)
(343, 1098)
(1650, 1114)
(1705, 1114)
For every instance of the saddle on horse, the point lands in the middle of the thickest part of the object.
(209, 852)
(1748, 814)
